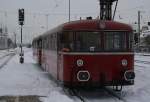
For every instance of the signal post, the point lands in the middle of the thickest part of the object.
(21, 23)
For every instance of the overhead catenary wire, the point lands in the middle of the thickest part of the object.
(124, 11)
(42, 13)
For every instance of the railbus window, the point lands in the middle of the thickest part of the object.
(55, 41)
(66, 41)
(81, 41)
(115, 41)
(88, 41)
(49, 41)
(39, 45)
(43, 43)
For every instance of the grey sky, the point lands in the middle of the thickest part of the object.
(36, 10)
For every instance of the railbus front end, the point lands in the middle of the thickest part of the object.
(96, 58)
(90, 53)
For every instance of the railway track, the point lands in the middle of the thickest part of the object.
(9, 55)
(1, 57)
(74, 92)
(144, 62)
(115, 95)
(78, 95)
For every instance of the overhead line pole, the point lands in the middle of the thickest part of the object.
(69, 10)
(99, 9)
(46, 21)
(139, 23)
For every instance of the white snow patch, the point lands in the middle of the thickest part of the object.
(24, 79)
(56, 96)
(28, 79)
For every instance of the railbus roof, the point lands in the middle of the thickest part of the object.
(96, 25)
(89, 25)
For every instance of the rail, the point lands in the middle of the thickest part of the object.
(6, 61)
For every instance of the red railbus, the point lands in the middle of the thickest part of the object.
(91, 53)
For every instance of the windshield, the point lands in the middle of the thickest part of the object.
(81, 41)
(115, 41)
(88, 41)
(93, 41)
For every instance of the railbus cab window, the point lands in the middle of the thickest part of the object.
(115, 41)
(88, 41)
(66, 41)
(81, 41)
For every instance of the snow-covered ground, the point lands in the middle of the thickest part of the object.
(28, 79)
(4, 52)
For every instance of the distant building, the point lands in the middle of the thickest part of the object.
(144, 28)
(145, 33)
(143, 45)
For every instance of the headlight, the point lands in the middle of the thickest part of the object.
(80, 62)
(124, 62)
(129, 75)
(83, 76)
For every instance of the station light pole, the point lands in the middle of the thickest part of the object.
(69, 10)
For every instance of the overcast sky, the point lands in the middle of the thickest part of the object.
(36, 10)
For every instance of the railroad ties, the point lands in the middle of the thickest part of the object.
(8, 59)
(75, 92)
(114, 93)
